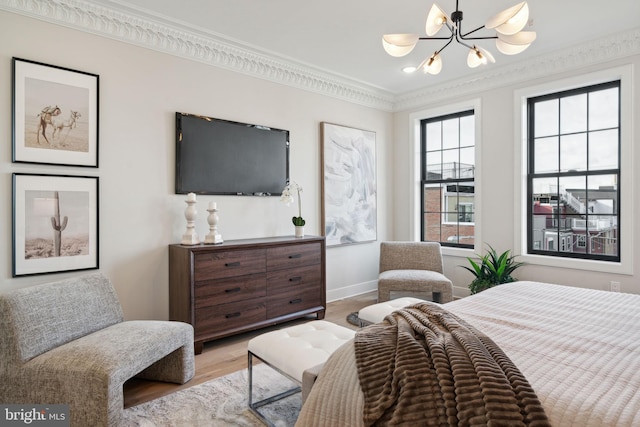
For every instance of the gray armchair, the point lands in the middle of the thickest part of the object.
(66, 342)
(412, 267)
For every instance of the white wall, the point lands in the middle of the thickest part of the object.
(140, 91)
(499, 118)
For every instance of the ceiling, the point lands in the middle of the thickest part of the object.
(344, 37)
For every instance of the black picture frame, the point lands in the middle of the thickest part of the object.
(55, 116)
(55, 223)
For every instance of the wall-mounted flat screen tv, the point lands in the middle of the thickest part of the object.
(215, 156)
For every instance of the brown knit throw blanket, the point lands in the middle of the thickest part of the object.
(424, 366)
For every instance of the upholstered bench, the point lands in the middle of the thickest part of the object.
(292, 351)
(377, 312)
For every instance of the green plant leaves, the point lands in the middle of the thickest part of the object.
(493, 269)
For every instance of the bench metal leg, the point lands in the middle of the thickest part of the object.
(254, 406)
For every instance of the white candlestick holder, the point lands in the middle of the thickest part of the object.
(190, 237)
(213, 238)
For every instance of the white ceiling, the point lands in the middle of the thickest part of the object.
(343, 37)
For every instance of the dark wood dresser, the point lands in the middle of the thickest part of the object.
(241, 285)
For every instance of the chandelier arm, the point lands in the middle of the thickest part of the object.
(450, 27)
(461, 41)
(436, 38)
(463, 36)
(478, 38)
(445, 45)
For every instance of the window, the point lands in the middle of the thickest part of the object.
(574, 145)
(447, 149)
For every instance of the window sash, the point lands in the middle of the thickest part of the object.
(547, 231)
(447, 179)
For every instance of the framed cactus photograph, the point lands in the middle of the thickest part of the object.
(55, 223)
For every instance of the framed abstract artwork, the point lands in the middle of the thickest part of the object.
(55, 115)
(348, 185)
(55, 223)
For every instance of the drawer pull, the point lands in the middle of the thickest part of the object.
(232, 315)
(295, 301)
(230, 291)
(232, 264)
(295, 279)
(295, 256)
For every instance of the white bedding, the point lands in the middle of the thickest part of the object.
(579, 349)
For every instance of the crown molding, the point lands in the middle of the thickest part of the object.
(166, 38)
(566, 60)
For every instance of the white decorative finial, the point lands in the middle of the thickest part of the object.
(213, 237)
(190, 237)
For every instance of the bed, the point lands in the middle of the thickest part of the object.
(578, 348)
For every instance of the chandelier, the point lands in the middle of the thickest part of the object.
(509, 37)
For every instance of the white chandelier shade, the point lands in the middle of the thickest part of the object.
(435, 20)
(399, 44)
(511, 20)
(509, 37)
(479, 56)
(431, 65)
(516, 43)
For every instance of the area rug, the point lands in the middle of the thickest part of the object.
(219, 402)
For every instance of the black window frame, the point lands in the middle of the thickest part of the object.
(559, 174)
(449, 181)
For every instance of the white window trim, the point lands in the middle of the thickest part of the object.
(414, 156)
(625, 266)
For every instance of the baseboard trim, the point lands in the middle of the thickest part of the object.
(364, 287)
(460, 292)
(351, 290)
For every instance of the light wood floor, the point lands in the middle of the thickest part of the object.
(228, 355)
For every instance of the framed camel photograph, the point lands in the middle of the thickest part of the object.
(55, 115)
(55, 223)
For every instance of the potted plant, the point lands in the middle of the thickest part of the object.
(491, 270)
(287, 198)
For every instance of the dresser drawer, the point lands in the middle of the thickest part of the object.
(223, 291)
(295, 299)
(242, 285)
(294, 256)
(283, 280)
(221, 264)
(224, 317)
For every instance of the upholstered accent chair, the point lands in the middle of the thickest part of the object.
(66, 342)
(413, 267)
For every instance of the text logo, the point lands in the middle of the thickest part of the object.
(34, 415)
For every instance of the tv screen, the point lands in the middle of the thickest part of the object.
(215, 156)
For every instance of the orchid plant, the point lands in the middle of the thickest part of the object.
(288, 198)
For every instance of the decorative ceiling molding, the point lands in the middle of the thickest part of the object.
(566, 60)
(163, 37)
